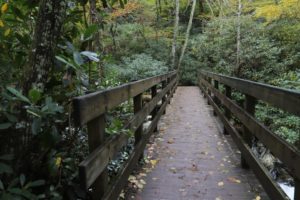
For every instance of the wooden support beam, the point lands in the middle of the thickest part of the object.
(154, 112)
(96, 137)
(227, 111)
(297, 189)
(249, 106)
(215, 98)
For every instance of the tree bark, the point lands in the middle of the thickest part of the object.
(47, 31)
(238, 39)
(176, 26)
(187, 34)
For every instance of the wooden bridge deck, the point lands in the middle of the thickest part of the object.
(196, 161)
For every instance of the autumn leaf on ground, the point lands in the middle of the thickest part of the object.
(257, 198)
(171, 141)
(220, 184)
(153, 162)
(173, 169)
(218, 198)
(234, 180)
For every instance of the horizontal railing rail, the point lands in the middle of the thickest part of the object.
(287, 100)
(90, 109)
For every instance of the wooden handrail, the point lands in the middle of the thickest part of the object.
(287, 100)
(90, 109)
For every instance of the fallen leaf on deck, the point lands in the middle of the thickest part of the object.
(171, 141)
(257, 198)
(173, 169)
(218, 198)
(153, 162)
(234, 180)
(220, 184)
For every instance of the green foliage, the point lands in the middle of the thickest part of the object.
(140, 66)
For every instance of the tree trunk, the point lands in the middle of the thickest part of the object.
(238, 40)
(187, 34)
(47, 31)
(176, 26)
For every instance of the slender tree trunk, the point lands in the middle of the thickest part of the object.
(187, 34)
(238, 39)
(47, 31)
(176, 26)
(95, 46)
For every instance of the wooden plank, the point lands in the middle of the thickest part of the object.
(287, 100)
(288, 154)
(137, 106)
(97, 161)
(122, 178)
(270, 186)
(92, 105)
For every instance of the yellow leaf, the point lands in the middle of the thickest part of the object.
(58, 161)
(153, 162)
(7, 32)
(258, 198)
(4, 8)
(1, 23)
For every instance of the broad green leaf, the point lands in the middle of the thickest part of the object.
(65, 62)
(77, 58)
(1, 185)
(18, 94)
(22, 179)
(36, 183)
(91, 55)
(5, 125)
(4, 168)
(91, 30)
(34, 95)
(11, 117)
(7, 157)
(36, 126)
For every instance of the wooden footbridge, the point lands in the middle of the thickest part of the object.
(208, 157)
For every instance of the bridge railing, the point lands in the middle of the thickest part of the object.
(91, 109)
(226, 108)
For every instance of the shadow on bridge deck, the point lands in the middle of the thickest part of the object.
(196, 161)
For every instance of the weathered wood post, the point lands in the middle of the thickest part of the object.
(137, 106)
(215, 98)
(297, 189)
(227, 111)
(249, 106)
(96, 137)
(164, 84)
(154, 112)
(208, 90)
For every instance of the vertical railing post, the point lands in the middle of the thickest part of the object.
(154, 112)
(249, 106)
(163, 85)
(215, 98)
(208, 90)
(96, 137)
(137, 106)
(227, 111)
(297, 189)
